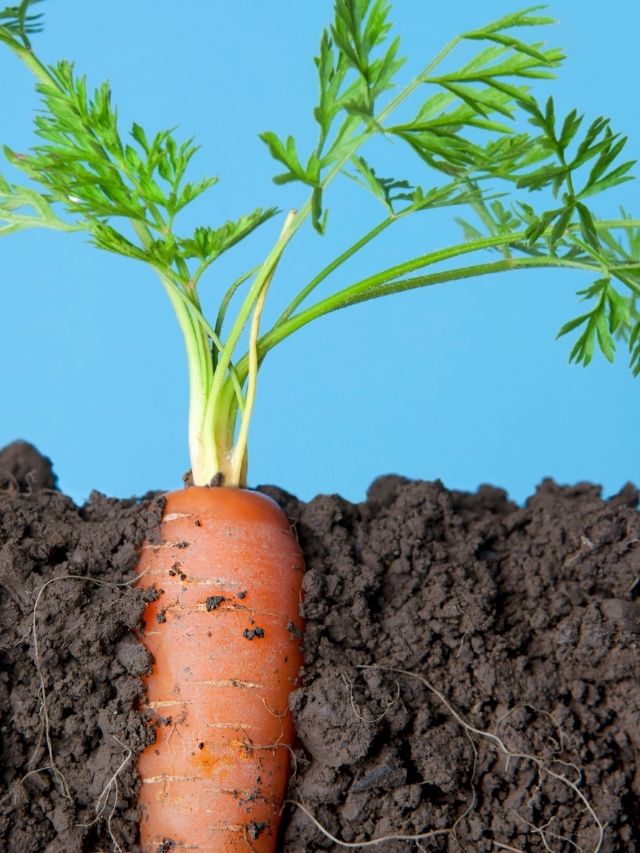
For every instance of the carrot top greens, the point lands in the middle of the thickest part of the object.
(127, 194)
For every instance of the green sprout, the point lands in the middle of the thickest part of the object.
(528, 194)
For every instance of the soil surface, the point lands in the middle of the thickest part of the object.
(472, 668)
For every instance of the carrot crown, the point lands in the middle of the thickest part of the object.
(127, 195)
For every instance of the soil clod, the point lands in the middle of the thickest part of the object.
(472, 669)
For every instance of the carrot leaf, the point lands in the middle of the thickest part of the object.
(18, 21)
(22, 208)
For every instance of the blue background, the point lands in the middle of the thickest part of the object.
(463, 383)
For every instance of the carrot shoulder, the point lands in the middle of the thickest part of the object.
(225, 636)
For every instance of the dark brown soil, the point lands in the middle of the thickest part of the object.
(517, 630)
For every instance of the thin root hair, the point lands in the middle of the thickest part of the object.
(492, 738)
(103, 800)
(45, 732)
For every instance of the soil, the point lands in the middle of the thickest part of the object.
(514, 724)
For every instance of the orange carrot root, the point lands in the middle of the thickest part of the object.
(225, 636)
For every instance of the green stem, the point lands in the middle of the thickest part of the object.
(341, 259)
(219, 417)
(430, 258)
(238, 462)
(197, 332)
(605, 224)
(365, 291)
(198, 318)
(199, 368)
(230, 293)
(23, 53)
(457, 250)
(199, 364)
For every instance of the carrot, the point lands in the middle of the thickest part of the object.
(224, 632)
(224, 628)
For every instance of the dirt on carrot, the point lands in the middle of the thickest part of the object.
(526, 621)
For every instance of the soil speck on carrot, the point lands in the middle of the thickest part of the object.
(213, 602)
(256, 828)
(294, 632)
(251, 633)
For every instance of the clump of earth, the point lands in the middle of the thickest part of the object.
(471, 668)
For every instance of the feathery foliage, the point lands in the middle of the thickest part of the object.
(483, 141)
